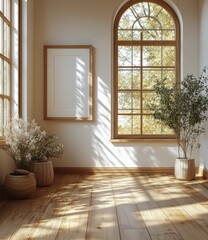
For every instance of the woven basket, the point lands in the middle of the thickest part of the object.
(185, 169)
(43, 172)
(20, 186)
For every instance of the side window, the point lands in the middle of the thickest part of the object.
(9, 61)
(146, 49)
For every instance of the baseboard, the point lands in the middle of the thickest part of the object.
(205, 173)
(94, 170)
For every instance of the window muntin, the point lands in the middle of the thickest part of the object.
(147, 21)
(9, 61)
(146, 48)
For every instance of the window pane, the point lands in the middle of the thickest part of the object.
(1, 36)
(15, 92)
(168, 56)
(166, 20)
(147, 98)
(15, 82)
(15, 45)
(149, 23)
(124, 124)
(129, 79)
(136, 35)
(124, 35)
(124, 102)
(152, 56)
(129, 102)
(136, 125)
(158, 56)
(166, 130)
(129, 34)
(6, 110)
(129, 125)
(128, 56)
(169, 75)
(168, 35)
(15, 14)
(127, 20)
(124, 56)
(151, 19)
(6, 40)
(15, 58)
(1, 76)
(6, 79)
(7, 9)
(151, 126)
(156, 35)
(150, 76)
(152, 35)
(136, 102)
(1, 6)
(124, 79)
(136, 56)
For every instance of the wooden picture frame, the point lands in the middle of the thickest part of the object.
(68, 82)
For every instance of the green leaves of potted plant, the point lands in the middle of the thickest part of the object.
(27, 143)
(182, 107)
(46, 147)
(20, 183)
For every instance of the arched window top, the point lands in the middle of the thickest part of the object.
(146, 20)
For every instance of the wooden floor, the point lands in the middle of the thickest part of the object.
(98, 207)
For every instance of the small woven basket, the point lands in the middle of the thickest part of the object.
(20, 186)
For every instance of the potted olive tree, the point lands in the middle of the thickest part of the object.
(182, 107)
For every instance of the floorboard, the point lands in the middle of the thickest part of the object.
(109, 207)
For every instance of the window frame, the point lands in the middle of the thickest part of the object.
(13, 65)
(116, 43)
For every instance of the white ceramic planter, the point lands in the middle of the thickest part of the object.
(185, 169)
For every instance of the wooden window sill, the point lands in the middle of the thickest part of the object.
(165, 140)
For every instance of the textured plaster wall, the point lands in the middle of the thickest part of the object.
(90, 22)
(203, 48)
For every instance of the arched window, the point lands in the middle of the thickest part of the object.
(146, 48)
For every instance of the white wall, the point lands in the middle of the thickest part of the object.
(203, 11)
(6, 165)
(90, 22)
(188, 14)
